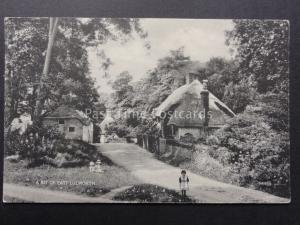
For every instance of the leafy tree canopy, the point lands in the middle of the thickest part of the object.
(68, 81)
(261, 48)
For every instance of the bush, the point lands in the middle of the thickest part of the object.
(93, 191)
(176, 155)
(204, 161)
(35, 143)
(254, 151)
(212, 140)
(74, 153)
(46, 145)
(119, 128)
(248, 151)
(150, 193)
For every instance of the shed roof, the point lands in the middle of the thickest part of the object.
(66, 112)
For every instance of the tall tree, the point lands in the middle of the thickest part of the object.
(168, 75)
(220, 72)
(123, 90)
(53, 24)
(67, 80)
(261, 48)
(25, 41)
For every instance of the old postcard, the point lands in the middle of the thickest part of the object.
(129, 110)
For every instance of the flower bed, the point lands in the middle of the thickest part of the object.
(151, 193)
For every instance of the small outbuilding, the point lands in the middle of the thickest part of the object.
(74, 124)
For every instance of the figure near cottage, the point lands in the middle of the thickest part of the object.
(183, 183)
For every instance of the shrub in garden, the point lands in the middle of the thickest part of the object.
(93, 191)
(150, 193)
(176, 155)
(35, 143)
(212, 140)
(41, 145)
(206, 161)
(256, 152)
(118, 127)
(79, 152)
(250, 151)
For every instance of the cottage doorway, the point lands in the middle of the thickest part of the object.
(96, 134)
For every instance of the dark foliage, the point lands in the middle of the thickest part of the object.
(35, 143)
(151, 193)
(94, 191)
(45, 145)
(256, 152)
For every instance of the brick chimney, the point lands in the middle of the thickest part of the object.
(205, 102)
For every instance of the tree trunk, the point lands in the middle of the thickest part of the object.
(9, 98)
(39, 92)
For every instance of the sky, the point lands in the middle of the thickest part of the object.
(202, 39)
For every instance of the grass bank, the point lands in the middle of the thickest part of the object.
(78, 179)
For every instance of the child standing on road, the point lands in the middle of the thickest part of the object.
(183, 183)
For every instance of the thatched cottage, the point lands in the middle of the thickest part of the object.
(191, 110)
(72, 123)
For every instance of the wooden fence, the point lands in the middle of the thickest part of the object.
(149, 142)
(159, 145)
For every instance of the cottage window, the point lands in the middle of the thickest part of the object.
(61, 121)
(71, 129)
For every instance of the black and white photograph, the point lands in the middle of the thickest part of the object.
(146, 110)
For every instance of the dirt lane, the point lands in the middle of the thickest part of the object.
(145, 167)
(32, 194)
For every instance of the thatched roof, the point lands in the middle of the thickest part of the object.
(187, 99)
(66, 112)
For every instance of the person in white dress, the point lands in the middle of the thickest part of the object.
(183, 183)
